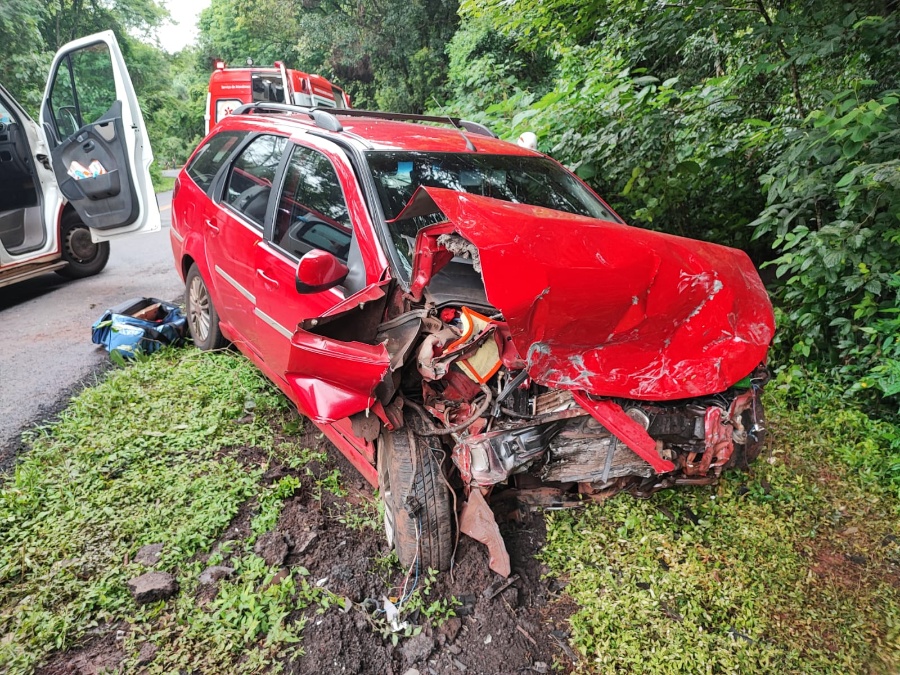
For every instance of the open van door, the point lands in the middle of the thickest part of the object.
(99, 147)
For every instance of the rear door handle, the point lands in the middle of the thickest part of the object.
(267, 279)
(212, 226)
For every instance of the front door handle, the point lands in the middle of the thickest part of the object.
(212, 226)
(267, 279)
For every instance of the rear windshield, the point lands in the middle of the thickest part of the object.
(536, 181)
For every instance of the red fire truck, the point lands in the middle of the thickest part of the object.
(230, 88)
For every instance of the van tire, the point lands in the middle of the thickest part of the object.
(85, 258)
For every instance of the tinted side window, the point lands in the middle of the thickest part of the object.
(210, 157)
(250, 181)
(312, 212)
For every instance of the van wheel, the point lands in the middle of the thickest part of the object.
(417, 513)
(202, 317)
(85, 258)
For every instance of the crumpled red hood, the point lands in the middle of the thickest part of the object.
(606, 308)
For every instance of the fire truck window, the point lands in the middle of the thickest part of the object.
(312, 212)
(251, 176)
(267, 88)
(211, 156)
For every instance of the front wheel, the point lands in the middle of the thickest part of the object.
(85, 258)
(202, 317)
(417, 512)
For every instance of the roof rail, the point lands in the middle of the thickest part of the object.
(326, 118)
(466, 125)
(322, 117)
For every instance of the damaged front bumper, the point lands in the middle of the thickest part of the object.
(696, 439)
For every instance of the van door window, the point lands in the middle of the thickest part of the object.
(83, 89)
(312, 211)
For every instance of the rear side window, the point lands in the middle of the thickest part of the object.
(211, 156)
(250, 181)
(312, 211)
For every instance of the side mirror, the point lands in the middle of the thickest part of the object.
(318, 271)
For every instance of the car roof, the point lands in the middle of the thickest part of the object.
(380, 134)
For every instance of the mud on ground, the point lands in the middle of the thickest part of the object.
(520, 629)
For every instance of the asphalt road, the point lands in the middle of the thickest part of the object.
(45, 328)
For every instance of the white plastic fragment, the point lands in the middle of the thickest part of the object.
(392, 614)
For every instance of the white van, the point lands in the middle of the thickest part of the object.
(79, 178)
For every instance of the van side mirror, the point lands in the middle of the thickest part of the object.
(318, 271)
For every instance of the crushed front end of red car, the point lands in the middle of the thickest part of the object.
(597, 358)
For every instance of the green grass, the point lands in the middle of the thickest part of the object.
(138, 459)
(153, 454)
(791, 569)
(163, 184)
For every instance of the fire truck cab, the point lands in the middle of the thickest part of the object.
(230, 88)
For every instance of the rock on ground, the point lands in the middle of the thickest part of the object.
(152, 586)
(214, 573)
(271, 547)
(148, 555)
(418, 648)
(147, 653)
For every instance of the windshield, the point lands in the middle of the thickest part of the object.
(536, 181)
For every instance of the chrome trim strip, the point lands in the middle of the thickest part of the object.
(243, 291)
(273, 323)
(177, 235)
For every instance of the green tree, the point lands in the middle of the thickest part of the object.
(387, 53)
(24, 54)
(66, 20)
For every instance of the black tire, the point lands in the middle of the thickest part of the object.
(416, 497)
(85, 258)
(202, 317)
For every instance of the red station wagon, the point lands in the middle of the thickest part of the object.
(465, 319)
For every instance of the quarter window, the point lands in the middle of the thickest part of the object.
(250, 181)
(312, 211)
(211, 156)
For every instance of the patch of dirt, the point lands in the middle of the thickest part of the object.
(99, 653)
(517, 631)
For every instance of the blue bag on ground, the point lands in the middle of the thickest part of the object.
(139, 325)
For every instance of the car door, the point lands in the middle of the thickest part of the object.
(99, 147)
(332, 373)
(233, 225)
